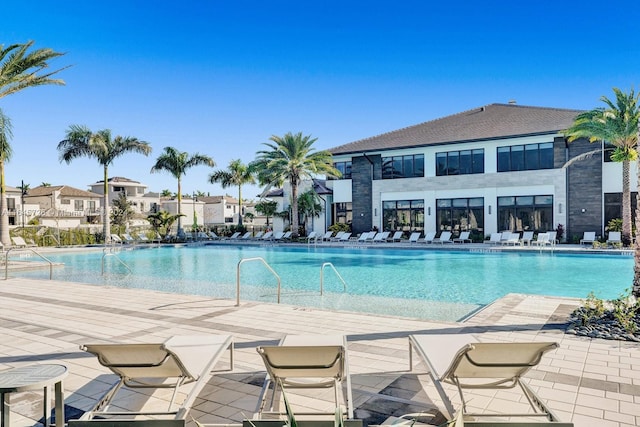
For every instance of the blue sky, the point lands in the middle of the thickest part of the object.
(220, 77)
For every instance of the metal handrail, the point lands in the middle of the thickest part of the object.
(6, 261)
(111, 253)
(238, 276)
(344, 284)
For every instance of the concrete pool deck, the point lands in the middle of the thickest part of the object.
(591, 382)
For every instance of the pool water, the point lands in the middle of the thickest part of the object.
(427, 284)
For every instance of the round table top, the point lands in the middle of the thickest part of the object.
(31, 377)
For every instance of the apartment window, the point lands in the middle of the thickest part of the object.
(525, 213)
(613, 206)
(525, 157)
(78, 205)
(342, 213)
(463, 214)
(403, 166)
(92, 205)
(460, 162)
(344, 168)
(403, 215)
(11, 204)
(65, 202)
(117, 189)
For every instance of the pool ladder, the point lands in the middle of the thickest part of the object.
(110, 252)
(242, 261)
(6, 260)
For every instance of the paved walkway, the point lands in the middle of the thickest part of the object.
(591, 382)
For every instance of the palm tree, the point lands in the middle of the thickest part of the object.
(309, 206)
(176, 163)
(162, 220)
(236, 174)
(6, 133)
(166, 193)
(292, 158)
(618, 125)
(81, 142)
(267, 208)
(19, 69)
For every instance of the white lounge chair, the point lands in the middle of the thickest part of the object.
(234, 236)
(312, 236)
(127, 238)
(307, 362)
(397, 236)
(463, 238)
(344, 237)
(267, 236)
(338, 236)
(381, 237)
(428, 237)
(461, 360)
(511, 238)
(19, 242)
(527, 237)
(178, 361)
(542, 240)
(615, 237)
(246, 236)
(327, 236)
(213, 236)
(495, 239)
(445, 237)
(553, 239)
(588, 237)
(116, 239)
(258, 235)
(415, 237)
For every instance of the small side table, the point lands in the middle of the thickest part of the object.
(33, 377)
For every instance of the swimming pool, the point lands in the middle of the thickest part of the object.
(428, 284)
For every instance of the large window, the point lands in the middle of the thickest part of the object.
(344, 168)
(460, 162)
(525, 213)
(403, 166)
(78, 205)
(342, 213)
(613, 206)
(460, 214)
(403, 215)
(525, 157)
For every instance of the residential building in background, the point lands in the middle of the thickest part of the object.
(64, 206)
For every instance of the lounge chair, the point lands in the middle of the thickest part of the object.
(511, 238)
(428, 237)
(307, 362)
(344, 237)
(614, 238)
(527, 237)
(213, 236)
(246, 236)
(327, 236)
(553, 237)
(178, 361)
(338, 236)
(588, 237)
(415, 237)
(312, 236)
(495, 239)
(201, 235)
(287, 235)
(381, 237)
(461, 360)
(258, 235)
(397, 236)
(127, 238)
(116, 239)
(278, 235)
(19, 242)
(234, 236)
(445, 237)
(463, 238)
(542, 240)
(267, 236)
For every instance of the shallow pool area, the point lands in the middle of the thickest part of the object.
(427, 284)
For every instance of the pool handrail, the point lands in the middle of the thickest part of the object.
(6, 261)
(344, 284)
(243, 260)
(114, 254)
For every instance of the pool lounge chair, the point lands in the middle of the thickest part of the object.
(246, 236)
(553, 237)
(345, 237)
(542, 240)
(495, 239)
(428, 237)
(234, 236)
(614, 238)
(381, 237)
(213, 236)
(267, 236)
(127, 238)
(415, 237)
(588, 237)
(463, 238)
(178, 361)
(397, 237)
(307, 362)
(327, 236)
(116, 239)
(19, 242)
(463, 361)
(258, 235)
(312, 236)
(509, 238)
(527, 237)
(445, 237)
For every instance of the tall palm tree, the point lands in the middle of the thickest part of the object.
(309, 206)
(237, 173)
(618, 125)
(20, 68)
(292, 158)
(6, 133)
(81, 142)
(176, 163)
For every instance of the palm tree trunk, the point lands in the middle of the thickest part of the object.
(294, 209)
(626, 203)
(180, 232)
(636, 253)
(240, 205)
(106, 226)
(4, 214)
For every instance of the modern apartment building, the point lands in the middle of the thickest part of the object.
(493, 168)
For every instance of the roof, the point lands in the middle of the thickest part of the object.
(64, 190)
(118, 179)
(493, 121)
(218, 199)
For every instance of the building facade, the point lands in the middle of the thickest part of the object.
(135, 192)
(494, 168)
